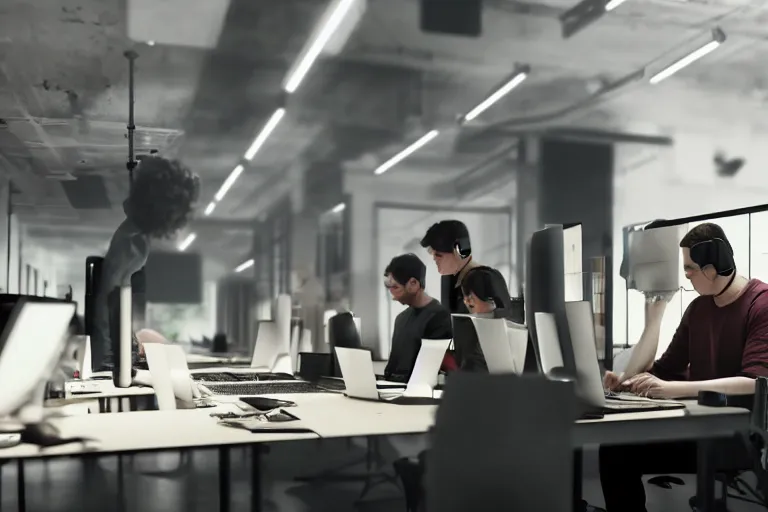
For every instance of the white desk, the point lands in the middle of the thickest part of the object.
(109, 397)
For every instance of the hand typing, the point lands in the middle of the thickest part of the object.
(611, 381)
(645, 384)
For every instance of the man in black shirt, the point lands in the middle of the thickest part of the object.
(425, 317)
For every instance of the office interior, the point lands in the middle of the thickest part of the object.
(550, 112)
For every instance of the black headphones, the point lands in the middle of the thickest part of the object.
(463, 247)
(716, 252)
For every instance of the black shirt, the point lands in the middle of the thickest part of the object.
(431, 322)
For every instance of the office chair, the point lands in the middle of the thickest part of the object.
(495, 455)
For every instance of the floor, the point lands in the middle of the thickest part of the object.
(152, 483)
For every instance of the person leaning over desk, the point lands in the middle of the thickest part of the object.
(720, 345)
(160, 203)
(425, 317)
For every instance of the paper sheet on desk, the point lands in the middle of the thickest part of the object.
(260, 424)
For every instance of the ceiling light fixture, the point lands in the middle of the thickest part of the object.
(612, 4)
(718, 38)
(184, 245)
(517, 78)
(209, 209)
(236, 172)
(244, 265)
(338, 208)
(423, 141)
(262, 137)
(338, 10)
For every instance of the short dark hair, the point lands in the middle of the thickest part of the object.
(163, 196)
(703, 233)
(480, 282)
(406, 267)
(442, 236)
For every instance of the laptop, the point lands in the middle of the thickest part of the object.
(503, 345)
(589, 378)
(360, 380)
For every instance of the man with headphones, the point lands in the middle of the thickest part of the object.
(720, 346)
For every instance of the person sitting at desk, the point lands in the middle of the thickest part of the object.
(425, 317)
(160, 203)
(721, 345)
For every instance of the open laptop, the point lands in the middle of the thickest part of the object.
(589, 379)
(360, 380)
(501, 344)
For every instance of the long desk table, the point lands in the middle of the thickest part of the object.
(192, 429)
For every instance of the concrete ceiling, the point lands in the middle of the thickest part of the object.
(63, 96)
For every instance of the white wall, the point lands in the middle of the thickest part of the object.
(680, 181)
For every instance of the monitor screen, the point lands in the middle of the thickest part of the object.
(545, 289)
(174, 278)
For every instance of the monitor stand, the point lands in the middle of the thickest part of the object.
(122, 372)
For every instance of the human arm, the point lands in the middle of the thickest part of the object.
(644, 351)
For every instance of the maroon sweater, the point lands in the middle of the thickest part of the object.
(714, 342)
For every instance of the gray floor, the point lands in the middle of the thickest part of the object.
(61, 485)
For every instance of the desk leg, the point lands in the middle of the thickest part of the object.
(705, 477)
(121, 505)
(22, 495)
(256, 496)
(578, 476)
(224, 479)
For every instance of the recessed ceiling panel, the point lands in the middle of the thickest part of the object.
(192, 23)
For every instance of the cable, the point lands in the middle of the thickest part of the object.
(131, 163)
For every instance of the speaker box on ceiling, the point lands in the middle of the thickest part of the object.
(454, 17)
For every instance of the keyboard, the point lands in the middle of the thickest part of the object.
(628, 402)
(264, 388)
(240, 377)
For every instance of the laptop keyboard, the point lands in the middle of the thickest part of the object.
(264, 388)
(240, 377)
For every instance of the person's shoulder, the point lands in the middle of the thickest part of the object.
(757, 292)
(436, 308)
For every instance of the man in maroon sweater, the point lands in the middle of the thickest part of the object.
(720, 345)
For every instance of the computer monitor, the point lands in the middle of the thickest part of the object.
(342, 332)
(28, 353)
(545, 292)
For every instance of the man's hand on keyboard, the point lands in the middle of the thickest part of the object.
(645, 384)
(612, 381)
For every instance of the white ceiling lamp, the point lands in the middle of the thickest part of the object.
(718, 38)
(423, 141)
(612, 4)
(236, 172)
(262, 137)
(209, 209)
(184, 245)
(330, 22)
(520, 74)
(244, 265)
(338, 208)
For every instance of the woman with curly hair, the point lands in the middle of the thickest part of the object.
(161, 202)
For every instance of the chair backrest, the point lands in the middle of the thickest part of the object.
(160, 370)
(498, 454)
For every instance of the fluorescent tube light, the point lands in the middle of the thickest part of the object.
(209, 209)
(332, 22)
(236, 172)
(612, 4)
(184, 245)
(718, 38)
(338, 208)
(262, 137)
(423, 141)
(244, 265)
(502, 91)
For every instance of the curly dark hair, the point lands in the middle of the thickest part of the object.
(162, 197)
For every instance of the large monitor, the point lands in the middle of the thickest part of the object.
(654, 259)
(545, 292)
